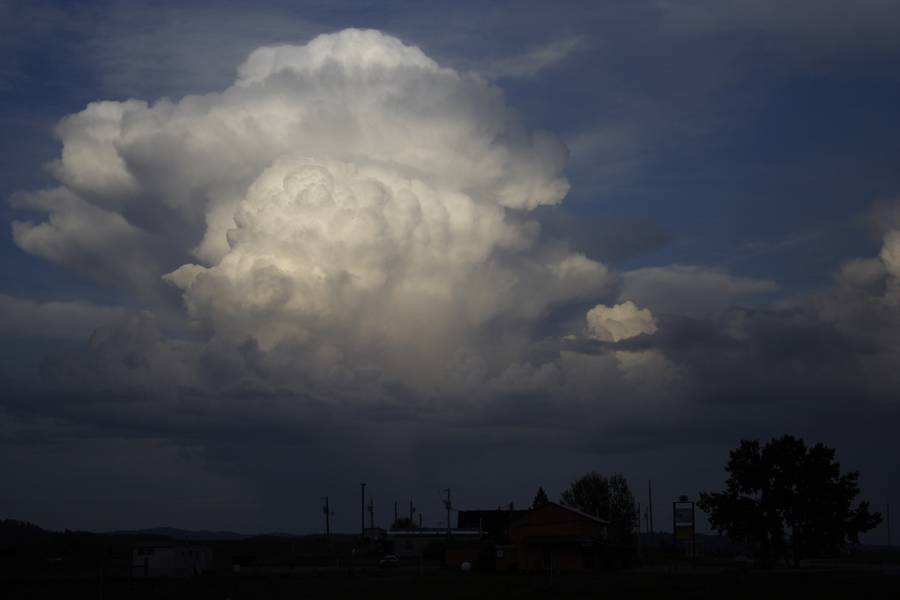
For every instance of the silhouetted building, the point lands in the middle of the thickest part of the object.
(494, 524)
(169, 559)
(553, 537)
(375, 534)
(417, 543)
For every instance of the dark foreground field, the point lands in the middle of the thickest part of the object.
(843, 582)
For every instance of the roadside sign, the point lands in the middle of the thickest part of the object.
(684, 523)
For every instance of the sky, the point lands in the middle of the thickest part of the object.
(258, 253)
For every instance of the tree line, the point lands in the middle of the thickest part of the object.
(782, 500)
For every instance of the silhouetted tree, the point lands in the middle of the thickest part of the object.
(788, 490)
(607, 498)
(540, 498)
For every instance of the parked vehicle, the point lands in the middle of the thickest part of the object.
(389, 561)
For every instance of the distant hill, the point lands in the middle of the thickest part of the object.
(22, 532)
(174, 533)
(202, 535)
(15, 532)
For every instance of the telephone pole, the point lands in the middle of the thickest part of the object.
(888, 515)
(650, 505)
(362, 510)
(396, 513)
(327, 512)
(637, 530)
(448, 504)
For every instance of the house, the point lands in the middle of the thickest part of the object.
(375, 534)
(553, 537)
(422, 543)
(170, 559)
(493, 524)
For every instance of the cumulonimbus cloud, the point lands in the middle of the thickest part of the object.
(349, 203)
(350, 219)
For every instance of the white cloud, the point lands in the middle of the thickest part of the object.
(532, 62)
(890, 252)
(866, 291)
(90, 239)
(349, 206)
(619, 322)
(179, 169)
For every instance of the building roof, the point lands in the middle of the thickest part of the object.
(487, 519)
(433, 533)
(578, 512)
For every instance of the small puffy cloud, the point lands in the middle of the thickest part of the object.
(619, 322)
(690, 290)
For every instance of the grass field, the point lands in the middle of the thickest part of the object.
(685, 582)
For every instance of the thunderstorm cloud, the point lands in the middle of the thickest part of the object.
(356, 250)
(351, 210)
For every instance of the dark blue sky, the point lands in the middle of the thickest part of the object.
(727, 156)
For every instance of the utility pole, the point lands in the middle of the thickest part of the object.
(637, 530)
(650, 505)
(327, 512)
(396, 513)
(371, 513)
(449, 506)
(362, 510)
(888, 515)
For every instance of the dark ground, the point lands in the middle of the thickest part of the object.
(810, 582)
(72, 565)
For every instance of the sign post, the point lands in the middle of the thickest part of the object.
(684, 524)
